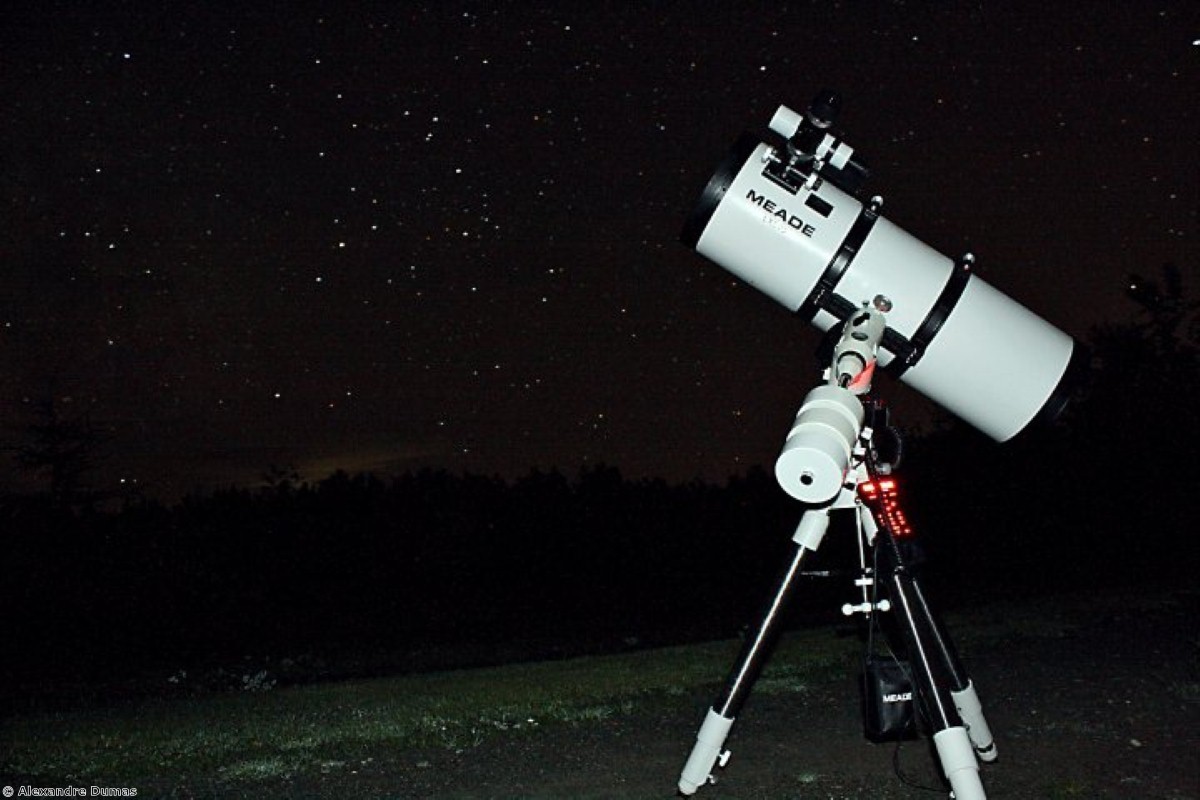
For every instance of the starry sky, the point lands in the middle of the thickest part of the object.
(389, 236)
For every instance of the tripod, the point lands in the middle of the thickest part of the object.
(945, 692)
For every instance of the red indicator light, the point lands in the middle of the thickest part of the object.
(882, 497)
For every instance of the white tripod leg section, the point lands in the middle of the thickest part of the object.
(971, 711)
(710, 741)
(709, 749)
(958, 763)
(811, 530)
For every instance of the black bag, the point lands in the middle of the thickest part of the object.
(887, 700)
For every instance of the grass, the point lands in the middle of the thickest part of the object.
(1069, 789)
(245, 737)
(238, 738)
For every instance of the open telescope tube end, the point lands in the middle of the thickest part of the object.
(1073, 383)
(714, 190)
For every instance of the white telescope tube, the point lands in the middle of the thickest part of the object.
(814, 248)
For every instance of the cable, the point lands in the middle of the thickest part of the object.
(910, 782)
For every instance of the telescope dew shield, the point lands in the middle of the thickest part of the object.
(822, 253)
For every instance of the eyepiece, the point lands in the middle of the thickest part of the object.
(824, 109)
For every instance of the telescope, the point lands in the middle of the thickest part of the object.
(785, 214)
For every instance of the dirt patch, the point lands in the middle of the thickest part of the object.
(1095, 698)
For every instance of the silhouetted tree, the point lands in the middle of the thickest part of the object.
(61, 450)
(1171, 322)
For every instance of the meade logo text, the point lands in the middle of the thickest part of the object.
(776, 211)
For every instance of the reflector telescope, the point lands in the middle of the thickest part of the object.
(783, 214)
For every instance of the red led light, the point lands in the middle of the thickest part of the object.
(882, 497)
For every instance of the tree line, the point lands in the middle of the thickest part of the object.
(551, 563)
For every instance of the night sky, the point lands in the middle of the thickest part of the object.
(446, 234)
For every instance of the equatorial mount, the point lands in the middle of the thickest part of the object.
(829, 461)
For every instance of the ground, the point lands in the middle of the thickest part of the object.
(1098, 700)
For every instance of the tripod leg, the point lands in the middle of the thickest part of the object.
(962, 689)
(709, 750)
(930, 676)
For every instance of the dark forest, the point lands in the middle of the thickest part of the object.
(359, 574)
